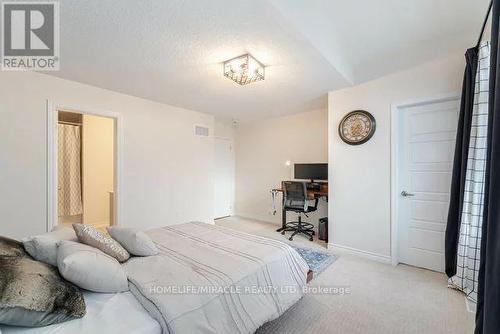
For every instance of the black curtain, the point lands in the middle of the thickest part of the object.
(488, 304)
(460, 162)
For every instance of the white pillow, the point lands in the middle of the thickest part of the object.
(135, 241)
(43, 247)
(90, 269)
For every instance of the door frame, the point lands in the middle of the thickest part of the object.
(52, 144)
(396, 113)
(233, 186)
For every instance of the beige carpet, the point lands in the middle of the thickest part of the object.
(383, 298)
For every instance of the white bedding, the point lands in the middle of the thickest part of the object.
(106, 313)
(194, 257)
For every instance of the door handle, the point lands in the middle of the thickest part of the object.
(404, 193)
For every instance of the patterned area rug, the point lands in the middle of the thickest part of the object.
(317, 260)
(307, 311)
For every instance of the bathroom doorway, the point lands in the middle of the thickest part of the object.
(85, 169)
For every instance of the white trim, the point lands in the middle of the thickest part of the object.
(395, 108)
(358, 252)
(52, 118)
(51, 167)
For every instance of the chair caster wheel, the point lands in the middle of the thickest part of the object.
(311, 239)
(291, 239)
(283, 233)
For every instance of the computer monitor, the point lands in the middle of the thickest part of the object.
(313, 172)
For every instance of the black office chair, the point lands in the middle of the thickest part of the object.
(295, 200)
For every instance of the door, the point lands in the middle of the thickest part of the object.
(224, 178)
(426, 148)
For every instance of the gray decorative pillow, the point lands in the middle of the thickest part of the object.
(43, 247)
(32, 293)
(92, 237)
(90, 269)
(136, 242)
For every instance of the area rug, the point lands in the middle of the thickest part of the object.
(317, 260)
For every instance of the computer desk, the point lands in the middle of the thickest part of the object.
(311, 194)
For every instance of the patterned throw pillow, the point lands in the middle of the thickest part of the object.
(88, 235)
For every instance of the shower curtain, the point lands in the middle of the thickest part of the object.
(69, 171)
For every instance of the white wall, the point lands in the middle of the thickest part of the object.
(224, 128)
(359, 207)
(167, 171)
(263, 147)
(97, 168)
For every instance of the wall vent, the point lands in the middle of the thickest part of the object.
(200, 130)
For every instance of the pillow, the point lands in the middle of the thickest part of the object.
(90, 269)
(92, 237)
(133, 240)
(10, 247)
(32, 293)
(43, 247)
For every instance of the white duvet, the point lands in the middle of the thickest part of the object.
(209, 279)
(107, 313)
(253, 280)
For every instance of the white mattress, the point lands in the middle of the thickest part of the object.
(106, 313)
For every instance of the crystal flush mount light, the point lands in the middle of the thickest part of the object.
(244, 69)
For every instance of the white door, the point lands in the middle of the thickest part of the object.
(426, 148)
(224, 178)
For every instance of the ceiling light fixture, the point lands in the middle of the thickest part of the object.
(244, 69)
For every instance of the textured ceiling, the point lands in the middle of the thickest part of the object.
(171, 51)
(366, 39)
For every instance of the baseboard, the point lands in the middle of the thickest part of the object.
(471, 306)
(222, 217)
(361, 253)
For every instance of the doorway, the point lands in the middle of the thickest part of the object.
(423, 150)
(82, 169)
(69, 168)
(224, 178)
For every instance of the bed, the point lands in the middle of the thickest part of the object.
(205, 279)
(105, 314)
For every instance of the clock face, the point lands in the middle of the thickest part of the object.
(357, 127)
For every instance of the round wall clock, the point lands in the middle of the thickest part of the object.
(357, 127)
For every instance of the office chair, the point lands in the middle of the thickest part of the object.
(295, 200)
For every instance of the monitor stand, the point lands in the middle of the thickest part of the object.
(313, 185)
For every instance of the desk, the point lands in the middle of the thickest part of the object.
(311, 194)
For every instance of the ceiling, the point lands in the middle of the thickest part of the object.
(171, 51)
